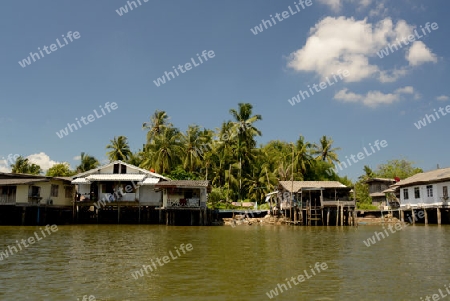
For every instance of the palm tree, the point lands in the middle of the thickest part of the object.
(87, 163)
(246, 131)
(164, 153)
(325, 151)
(158, 122)
(120, 150)
(135, 158)
(22, 165)
(193, 148)
(302, 153)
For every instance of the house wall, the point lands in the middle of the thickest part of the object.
(110, 170)
(45, 193)
(436, 199)
(148, 196)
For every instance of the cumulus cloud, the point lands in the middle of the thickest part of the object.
(42, 159)
(442, 98)
(336, 5)
(346, 43)
(373, 98)
(419, 54)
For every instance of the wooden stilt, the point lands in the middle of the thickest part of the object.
(139, 214)
(426, 216)
(438, 215)
(402, 216)
(337, 216)
(342, 215)
(328, 216)
(167, 218)
(413, 216)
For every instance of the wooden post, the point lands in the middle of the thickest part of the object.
(402, 216)
(413, 217)
(348, 218)
(167, 218)
(426, 216)
(337, 215)
(328, 216)
(438, 216)
(192, 218)
(118, 213)
(24, 213)
(139, 214)
(342, 215)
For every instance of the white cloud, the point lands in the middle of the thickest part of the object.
(442, 98)
(336, 5)
(77, 158)
(346, 43)
(390, 76)
(42, 159)
(373, 98)
(379, 11)
(419, 54)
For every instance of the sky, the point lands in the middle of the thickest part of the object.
(262, 52)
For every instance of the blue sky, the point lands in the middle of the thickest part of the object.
(117, 58)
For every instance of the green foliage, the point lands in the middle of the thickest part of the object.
(367, 207)
(397, 168)
(179, 173)
(60, 170)
(22, 165)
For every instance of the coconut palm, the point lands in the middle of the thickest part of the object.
(164, 152)
(325, 151)
(158, 122)
(120, 150)
(193, 148)
(87, 163)
(302, 154)
(22, 165)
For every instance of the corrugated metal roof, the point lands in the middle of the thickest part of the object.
(4, 182)
(81, 181)
(116, 177)
(183, 183)
(437, 175)
(150, 181)
(287, 185)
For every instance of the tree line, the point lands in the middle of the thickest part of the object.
(227, 156)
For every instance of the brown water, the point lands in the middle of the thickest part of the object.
(241, 263)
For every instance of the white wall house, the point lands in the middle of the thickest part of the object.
(24, 189)
(119, 182)
(428, 189)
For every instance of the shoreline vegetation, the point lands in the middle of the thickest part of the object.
(229, 157)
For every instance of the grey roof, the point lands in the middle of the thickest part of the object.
(298, 185)
(183, 183)
(380, 180)
(438, 175)
(4, 182)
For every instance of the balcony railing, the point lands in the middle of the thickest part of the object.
(180, 203)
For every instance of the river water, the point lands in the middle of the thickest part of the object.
(224, 263)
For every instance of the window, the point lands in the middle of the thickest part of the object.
(445, 192)
(54, 191)
(430, 191)
(123, 168)
(34, 191)
(417, 192)
(68, 191)
(116, 168)
(406, 194)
